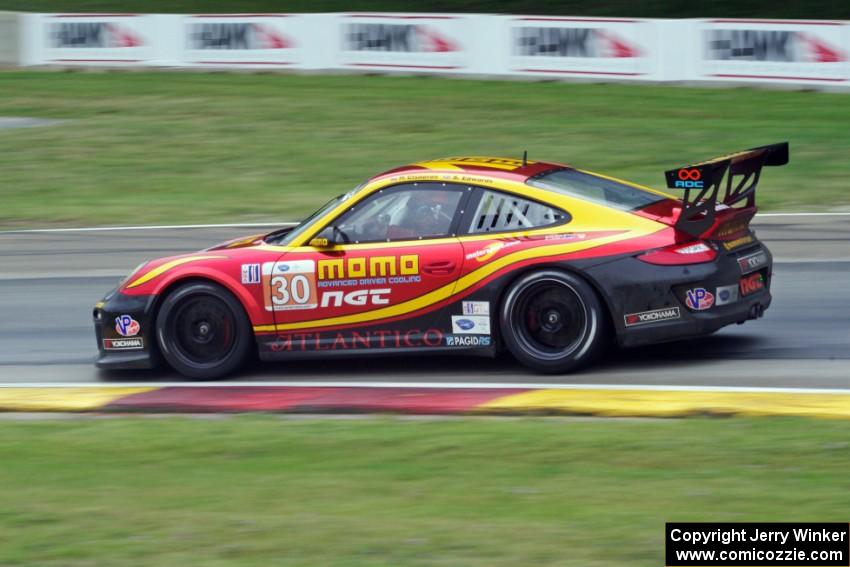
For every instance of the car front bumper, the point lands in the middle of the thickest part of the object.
(117, 351)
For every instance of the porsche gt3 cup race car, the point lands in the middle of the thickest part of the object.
(462, 254)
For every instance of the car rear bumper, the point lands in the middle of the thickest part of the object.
(649, 303)
(117, 351)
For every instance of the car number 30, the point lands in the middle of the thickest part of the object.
(292, 291)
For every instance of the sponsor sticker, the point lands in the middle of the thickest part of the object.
(751, 284)
(490, 250)
(250, 274)
(126, 326)
(476, 307)
(357, 297)
(752, 262)
(699, 299)
(726, 294)
(353, 339)
(471, 324)
(134, 343)
(290, 285)
(467, 340)
(738, 242)
(654, 316)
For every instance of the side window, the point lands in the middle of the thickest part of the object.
(403, 212)
(501, 212)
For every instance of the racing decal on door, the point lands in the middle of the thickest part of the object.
(290, 285)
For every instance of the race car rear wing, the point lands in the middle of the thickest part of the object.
(702, 182)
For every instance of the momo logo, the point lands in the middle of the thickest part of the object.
(699, 299)
(357, 298)
(404, 38)
(126, 326)
(371, 267)
(654, 316)
(571, 42)
(235, 36)
(781, 46)
(92, 35)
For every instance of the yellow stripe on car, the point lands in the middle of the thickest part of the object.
(161, 269)
(453, 288)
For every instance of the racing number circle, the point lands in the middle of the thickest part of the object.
(552, 321)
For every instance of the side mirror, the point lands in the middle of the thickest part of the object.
(330, 236)
(319, 242)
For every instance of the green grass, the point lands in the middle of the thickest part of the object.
(261, 490)
(651, 8)
(190, 147)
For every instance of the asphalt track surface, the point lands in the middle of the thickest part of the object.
(49, 282)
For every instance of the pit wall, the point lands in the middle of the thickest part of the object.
(729, 51)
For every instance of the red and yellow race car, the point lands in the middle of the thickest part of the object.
(471, 254)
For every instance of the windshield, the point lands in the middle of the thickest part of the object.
(596, 189)
(289, 236)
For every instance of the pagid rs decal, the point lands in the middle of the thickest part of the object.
(468, 340)
(654, 316)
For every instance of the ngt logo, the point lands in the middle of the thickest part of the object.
(769, 45)
(92, 35)
(358, 297)
(689, 178)
(403, 38)
(228, 36)
(571, 42)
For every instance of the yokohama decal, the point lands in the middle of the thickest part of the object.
(654, 316)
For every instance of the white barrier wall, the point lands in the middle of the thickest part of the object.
(804, 52)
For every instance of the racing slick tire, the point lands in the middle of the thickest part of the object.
(203, 332)
(553, 321)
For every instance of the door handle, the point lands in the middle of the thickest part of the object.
(439, 268)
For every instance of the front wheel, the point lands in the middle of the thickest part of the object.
(553, 321)
(203, 332)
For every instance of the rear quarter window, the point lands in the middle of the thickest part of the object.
(596, 189)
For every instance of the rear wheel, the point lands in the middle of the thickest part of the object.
(203, 332)
(553, 321)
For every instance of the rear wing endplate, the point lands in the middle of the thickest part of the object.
(702, 182)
